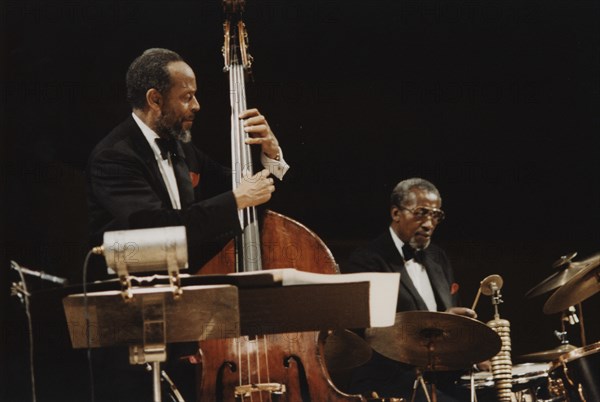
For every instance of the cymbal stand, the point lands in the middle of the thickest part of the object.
(429, 335)
(581, 326)
(421, 381)
(472, 384)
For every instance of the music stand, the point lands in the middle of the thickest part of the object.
(265, 302)
(150, 319)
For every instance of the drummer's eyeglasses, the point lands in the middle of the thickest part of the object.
(422, 213)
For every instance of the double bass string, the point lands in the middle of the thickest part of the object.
(242, 161)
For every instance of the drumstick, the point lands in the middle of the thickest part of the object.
(476, 298)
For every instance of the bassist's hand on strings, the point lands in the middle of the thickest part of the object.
(254, 190)
(257, 127)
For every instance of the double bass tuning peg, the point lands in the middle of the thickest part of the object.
(234, 6)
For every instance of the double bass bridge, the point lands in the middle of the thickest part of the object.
(245, 391)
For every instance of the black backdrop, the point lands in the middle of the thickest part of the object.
(495, 102)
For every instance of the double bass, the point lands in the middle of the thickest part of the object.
(280, 367)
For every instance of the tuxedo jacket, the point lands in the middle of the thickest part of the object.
(125, 190)
(381, 255)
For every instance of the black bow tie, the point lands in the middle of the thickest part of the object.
(410, 253)
(167, 146)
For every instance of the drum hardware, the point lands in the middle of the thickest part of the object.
(501, 362)
(571, 316)
(564, 347)
(487, 286)
(574, 375)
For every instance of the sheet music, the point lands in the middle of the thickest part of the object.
(383, 293)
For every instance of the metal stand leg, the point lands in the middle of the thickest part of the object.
(156, 381)
(473, 394)
(420, 381)
(175, 394)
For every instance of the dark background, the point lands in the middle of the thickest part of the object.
(495, 102)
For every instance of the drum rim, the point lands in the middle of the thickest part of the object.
(575, 354)
(525, 378)
(540, 373)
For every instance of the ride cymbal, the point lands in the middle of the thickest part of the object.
(581, 286)
(434, 340)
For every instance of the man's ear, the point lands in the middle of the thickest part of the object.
(395, 213)
(154, 99)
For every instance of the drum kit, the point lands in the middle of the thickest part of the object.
(434, 341)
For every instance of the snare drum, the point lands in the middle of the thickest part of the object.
(575, 376)
(527, 379)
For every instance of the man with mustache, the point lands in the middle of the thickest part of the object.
(426, 280)
(147, 173)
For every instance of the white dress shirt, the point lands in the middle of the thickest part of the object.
(418, 275)
(164, 165)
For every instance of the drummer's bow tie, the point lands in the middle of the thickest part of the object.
(167, 146)
(410, 253)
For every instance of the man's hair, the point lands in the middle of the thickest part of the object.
(149, 70)
(402, 190)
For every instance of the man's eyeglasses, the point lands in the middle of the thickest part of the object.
(423, 212)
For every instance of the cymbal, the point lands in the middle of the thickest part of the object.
(344, 349)
(584, 284)
(566, 270)
(547, 355)
(434, 340)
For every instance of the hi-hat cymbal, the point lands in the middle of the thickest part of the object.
(434, 340)
(584, 284)
(547, 355)
(344, 349)
(566, 270)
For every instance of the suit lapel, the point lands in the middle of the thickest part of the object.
(142, 148)
(397, 264)
(440, 285)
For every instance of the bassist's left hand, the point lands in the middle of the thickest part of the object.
(257, 127)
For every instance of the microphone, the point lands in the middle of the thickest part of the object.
(39, 274)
